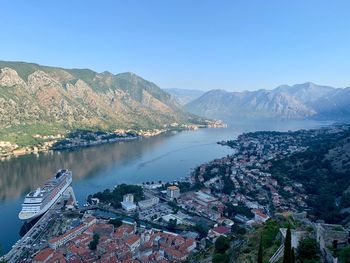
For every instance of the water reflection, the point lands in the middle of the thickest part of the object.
(166, 157)
(19, 175)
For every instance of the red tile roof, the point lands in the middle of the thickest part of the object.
(222, 230)
(55, 239)
(259, 213)
(43, 254)
(57, 258)
(132, 240)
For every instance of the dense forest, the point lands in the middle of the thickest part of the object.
(115, 196)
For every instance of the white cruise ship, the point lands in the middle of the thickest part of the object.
(39, 201)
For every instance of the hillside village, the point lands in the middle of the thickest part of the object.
(175, 131)
(235, 198)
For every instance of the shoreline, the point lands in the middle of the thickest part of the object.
(208, 163)
(77, 143)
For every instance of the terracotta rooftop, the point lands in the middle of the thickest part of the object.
(174, 253)
(259, 213)
(55, 239)
(132, 239)
(222, 230)
(173, 187)
(57, 258)
(43, 254)
(74, 259)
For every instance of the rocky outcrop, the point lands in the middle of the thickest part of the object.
(9, 78)
(31, 94)
(39, 80)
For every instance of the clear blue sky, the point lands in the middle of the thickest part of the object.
(233, 45)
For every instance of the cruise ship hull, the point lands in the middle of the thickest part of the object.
(28, 215)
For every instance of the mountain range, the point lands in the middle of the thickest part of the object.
(301, 101)
(37, 99)
(34, 98)
(184, 96)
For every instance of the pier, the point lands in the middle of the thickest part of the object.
(30, 239)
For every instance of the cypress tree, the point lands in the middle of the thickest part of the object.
(287, 257)
(260, 252)
(293, 255)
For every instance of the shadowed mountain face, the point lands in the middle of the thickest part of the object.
(184, 96)
(31, 94)
(302, 101)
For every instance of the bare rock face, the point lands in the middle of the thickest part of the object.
(39, 80)
(82, 98)
(9, 78)
(79, 89)
(301, 101)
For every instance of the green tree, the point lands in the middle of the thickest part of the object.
(335, 247)
(115, 222)
(93, 244)
(228, 185)
(222, 243)
(201, 229)
(116, 196)
(345, 200)
(344, 255)
(238, 229)
(184, 186)
(260, 252)
(220, 258)
(293, 255)
(172, 224)
(307, 250)
(174, 206)
(287, 256)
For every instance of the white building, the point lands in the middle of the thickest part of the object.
(204, 199)
(128, 206)
(144, 204)
(128, 198)
(169, 217)
(173, 192)
(56, 242)
(153, 186)
(133, 242)
(259, 216)
(128, 202)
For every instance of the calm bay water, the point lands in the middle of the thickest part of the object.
(165, 157)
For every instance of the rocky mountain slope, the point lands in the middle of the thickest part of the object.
(185, 96)
(301, 101)
(34, 96)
